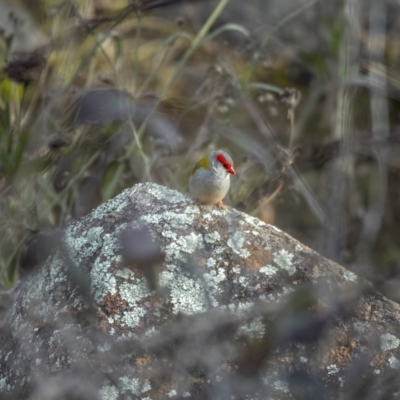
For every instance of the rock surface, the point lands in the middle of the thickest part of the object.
(241, 310)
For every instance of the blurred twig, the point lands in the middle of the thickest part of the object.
(380, 131)
(341, 171)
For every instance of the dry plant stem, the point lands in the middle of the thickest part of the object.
(270, 34)
(167, 47)
(342, 170)
(109, 190)
(259, 120)
(136, 53)
(202, 134)
(295, 176)
(47, 210)
(285, 20)
(194, 45)
(293, 102)
(129, 9)
(273, 195)
(302, 187)
(91, 31)
(15, 106)
(35, 96)
(380, 129)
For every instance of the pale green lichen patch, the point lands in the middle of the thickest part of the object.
(173, 196)
(103, 281)
(284, 260)
(255, 330)
(298, 247)
(34, 291)
(187, 295)
(389, 342)
(105, 347)
(213, 279)
(192, 210)
(269, 270)
(125, 273)
(236, 270)
(57, 274)
(243, 280)
(217, 212)
(350, 276)
(241, 308)
(115, 205)
(174, 219)
(152, 332)
(394, 362)
(78, 244)
(207, 217)
(133, 293)
(332, 369)
(255, 222)
(210, 263)
(133, 385)
(212, 237)
(3, 385)
(190, 243)
(182, 245)
(236, 243)
(108, 393)
(281, 386)
(94, 237)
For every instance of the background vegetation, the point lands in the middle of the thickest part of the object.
(304, 95)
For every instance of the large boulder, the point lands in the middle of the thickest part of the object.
(226, 308)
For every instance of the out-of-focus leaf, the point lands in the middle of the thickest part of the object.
(265, 86)
(19, 29)
(229, 27)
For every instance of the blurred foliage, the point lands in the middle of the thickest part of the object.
(174, 88)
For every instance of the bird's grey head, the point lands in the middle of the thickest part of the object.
(222, 162)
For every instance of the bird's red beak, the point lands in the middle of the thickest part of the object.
(231, 170)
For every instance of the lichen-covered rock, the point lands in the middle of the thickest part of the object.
(241, 310)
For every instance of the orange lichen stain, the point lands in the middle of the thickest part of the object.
(266, 211)
(380, 361)
(259, 258)
(201, 262)
(340, 355)
(113, 304)
(137, 271)
(142, 362)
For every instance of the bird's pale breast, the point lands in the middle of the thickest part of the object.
(208, 187)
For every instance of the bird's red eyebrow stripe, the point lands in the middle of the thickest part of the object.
(227, 165)
(223, 161)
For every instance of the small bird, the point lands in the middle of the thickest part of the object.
(210, 178)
